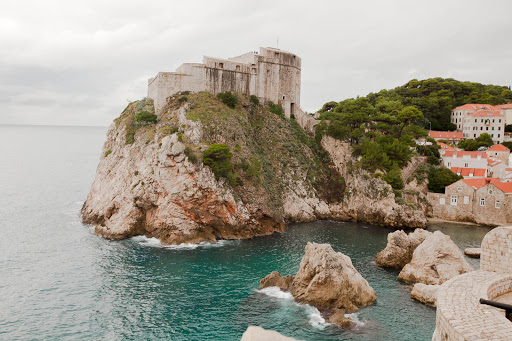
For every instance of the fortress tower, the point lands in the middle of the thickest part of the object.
(271, 75)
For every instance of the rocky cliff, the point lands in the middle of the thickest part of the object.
(151, 179)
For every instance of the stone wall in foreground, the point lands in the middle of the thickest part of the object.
(459, 315)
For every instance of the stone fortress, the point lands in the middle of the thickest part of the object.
(271, 75)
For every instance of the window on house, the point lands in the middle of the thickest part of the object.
(449, 164)
(493, 121)
(459, 189)
(441, 201)
(490, 191)
(466, 164)
(221, 65)
(466, 200)
(453, 200)
(498, 204)
(253, 70)
(499, 121)
(474, 135)
(486, 128)
(499, 135)
(475, 120)
(237, 68)
(499, 128)
(481, 128)
(492, 128)
(482, 202)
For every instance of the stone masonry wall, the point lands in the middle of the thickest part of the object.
(459, 315)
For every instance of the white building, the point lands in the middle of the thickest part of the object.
(491, 122)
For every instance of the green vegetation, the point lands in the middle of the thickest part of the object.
(436, 97)
(228, 98)
(431, 152)
(484, 140)
(138, 115)
(168, 130)
(191, 154)
(507, 144)
(254, 100)
(136, 173)
(146, 117)
(275, 109)
(108, 152)
(382, 134)
(393, 177)
(218, 158)
(439, 178)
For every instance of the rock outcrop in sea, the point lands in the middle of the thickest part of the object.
(151, 179)
(400, 247)
(327, 280)
(435, 261)
(426, 260)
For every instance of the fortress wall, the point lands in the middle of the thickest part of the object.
(497, 250)
(272, 75)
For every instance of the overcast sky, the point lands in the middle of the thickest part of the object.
(78, 62)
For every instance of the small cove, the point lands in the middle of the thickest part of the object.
(60, 281)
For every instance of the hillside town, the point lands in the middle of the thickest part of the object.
(484, 193)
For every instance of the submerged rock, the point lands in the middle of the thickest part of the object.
(254, 333)
(425, 293)
(327, 280)
(435, 261)
(473, 252)
(400, 247)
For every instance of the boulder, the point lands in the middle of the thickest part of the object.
(425, 293)
(274, 279)
(327, 279)
(400, 247)
(259, 334)
(435, 261)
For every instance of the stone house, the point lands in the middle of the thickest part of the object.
(470, 172)
(271, 75)
(444, 148)
(507, 111)
(499, 152)
(484, 201)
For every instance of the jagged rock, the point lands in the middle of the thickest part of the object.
(274, 279)
(425, 293)
(435, 261)
(400, 247)
(254, 333)
(327, 279)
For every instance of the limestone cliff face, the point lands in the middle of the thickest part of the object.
(368, 199)
(150, 179)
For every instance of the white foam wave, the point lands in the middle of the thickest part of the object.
(315, 317)
(277, 293)
(155, 242)
(355, 318)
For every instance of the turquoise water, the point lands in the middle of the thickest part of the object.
(60, 281)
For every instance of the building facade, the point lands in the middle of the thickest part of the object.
(484, 121)
(271, 75)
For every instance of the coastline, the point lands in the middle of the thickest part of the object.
(440, 220)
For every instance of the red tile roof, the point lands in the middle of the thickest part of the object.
(504, 106)
(486, 113)
(476, 183)
(445, 134)
(492, 162)
(471, 106)
(467, 171)
(506, 187)
(444, 146)
(498, 148)
(458, 153)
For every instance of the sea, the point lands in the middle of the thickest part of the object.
(59, 281)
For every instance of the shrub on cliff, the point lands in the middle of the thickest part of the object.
(228, 98)
(393, 177)
(254, 100)
(146, 117)
(275, 109)
(218, 158)
(439, 178)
